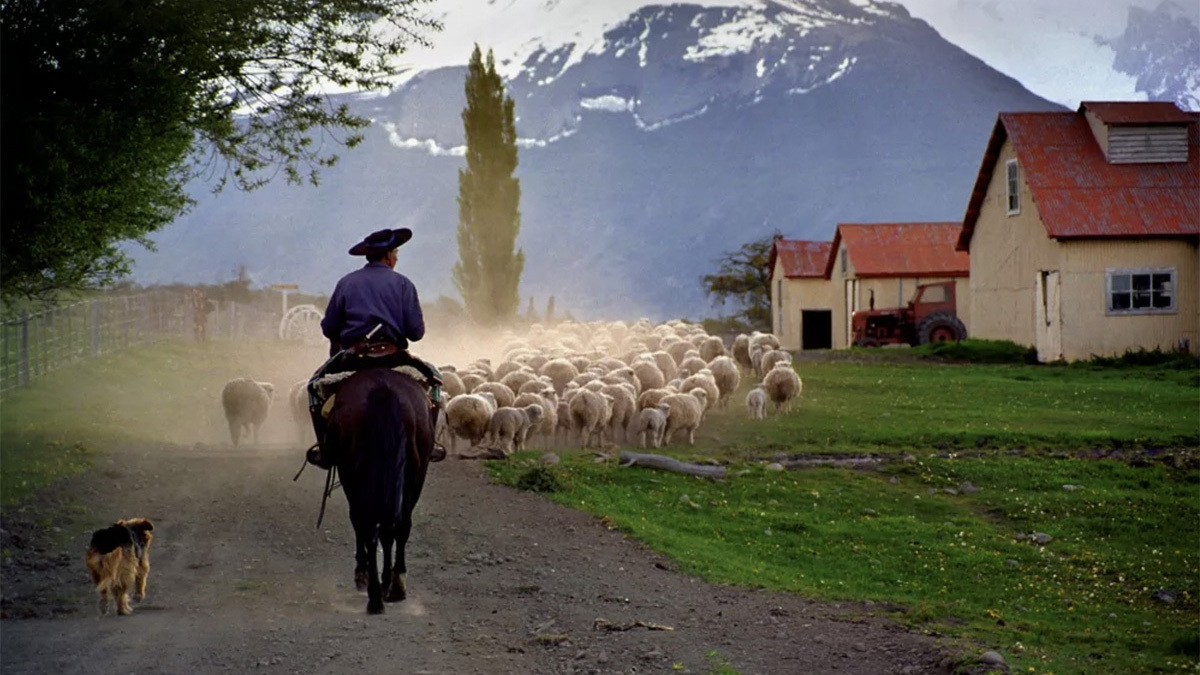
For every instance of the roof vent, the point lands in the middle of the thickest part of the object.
(1139, 133)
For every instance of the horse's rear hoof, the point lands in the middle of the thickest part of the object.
(360, 581)
(375, 607)
(395, 594)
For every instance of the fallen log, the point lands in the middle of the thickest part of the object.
(664, 463)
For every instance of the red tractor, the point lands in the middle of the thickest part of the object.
(931, 316)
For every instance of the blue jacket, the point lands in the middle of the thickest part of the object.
(370, 296)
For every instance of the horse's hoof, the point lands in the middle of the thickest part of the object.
(395, 595)
(375, 607)
(360, 581)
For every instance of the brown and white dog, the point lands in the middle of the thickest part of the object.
(118, 560)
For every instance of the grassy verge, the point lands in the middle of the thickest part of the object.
(949, 564)
(1092, 600)
(882, 407)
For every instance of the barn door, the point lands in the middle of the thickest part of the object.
(1048, 315)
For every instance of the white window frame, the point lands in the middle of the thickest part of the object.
(1110, 274)
(1012, 187)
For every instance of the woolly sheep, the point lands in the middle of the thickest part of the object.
(472, 379)
(773, 356)
(677, 350)
(622, 409)
(652, 397)
(504, 396)
(764, 340)
(691, 365)
(509, 426)
(649, 375)
(246, 404)
(782, 384)
(756, 354)
(683, 414)
(549, 404)
(741, 351)
(536, 386)
(667, 364)
(711, 348)
(298, 405)
(452, 385)
(506, 368)
(726, 376)
(589, 412)
(560, 372)
(756, 403)
(468, 416)
(704, 380)
(517, 378)
(650, 423)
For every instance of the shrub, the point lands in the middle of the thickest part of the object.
(1147, 357)
(979, 351)
(538, 479)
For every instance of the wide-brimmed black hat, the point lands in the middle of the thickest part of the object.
(381, 241)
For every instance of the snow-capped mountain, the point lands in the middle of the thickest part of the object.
(1161, 48)
(655, 138)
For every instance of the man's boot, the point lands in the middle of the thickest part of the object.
(317, 455)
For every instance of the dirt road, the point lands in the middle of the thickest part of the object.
(499, 582)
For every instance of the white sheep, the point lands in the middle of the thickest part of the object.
(771, 357)
(756, 403)
(549, 403)
(622, 409)
(711, 348)
(652, 397)
(741, 351)
(508, 427)
(704, 380)
(648, 374)
(726, 376)
(683, 414)
(503, 395)
(651, 422)
(782, 384)
(246, 404)
(468, 416)
(691, 365)
(298, 406)
(560, 372)
(589, 411)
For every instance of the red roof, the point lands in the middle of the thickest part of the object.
(901, 249)
(1078, 193)
(1136, 113)
(800, 258)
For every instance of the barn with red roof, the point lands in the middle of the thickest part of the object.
(879, 265)
(801, 301)
(1082, 231)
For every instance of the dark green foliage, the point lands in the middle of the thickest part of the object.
(1146, 357)
(979, 351)
(538, 479)
(109, 107)
(745, 277)
(488, 272)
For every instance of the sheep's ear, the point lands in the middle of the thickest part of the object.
(268, 387)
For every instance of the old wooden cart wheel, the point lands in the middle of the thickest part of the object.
(302, 323)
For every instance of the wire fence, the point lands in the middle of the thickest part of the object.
(35, 344)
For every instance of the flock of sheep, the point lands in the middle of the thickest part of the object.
(609, 383)
(594, 384)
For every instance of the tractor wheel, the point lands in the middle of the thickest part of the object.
(941, 327)
(866, 342)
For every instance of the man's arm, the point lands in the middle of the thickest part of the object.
(414, 320)
(331, 323)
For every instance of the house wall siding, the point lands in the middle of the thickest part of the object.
(1008, 252)
(798, 294)
(1087, 327)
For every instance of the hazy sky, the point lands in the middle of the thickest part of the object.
(1050, 46)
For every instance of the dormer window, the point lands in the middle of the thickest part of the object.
(1014, 186)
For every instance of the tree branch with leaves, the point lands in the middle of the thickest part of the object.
(744, 277)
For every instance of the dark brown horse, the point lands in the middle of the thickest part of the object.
(379, 427)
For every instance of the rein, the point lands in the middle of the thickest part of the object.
(331, 484)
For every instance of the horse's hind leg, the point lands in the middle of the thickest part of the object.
(368, 534)
(393, 582)
(399, 587)
(361, 567)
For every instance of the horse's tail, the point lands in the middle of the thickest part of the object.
(383, 455)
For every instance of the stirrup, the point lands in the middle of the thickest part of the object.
(317, 458)
(438, 453)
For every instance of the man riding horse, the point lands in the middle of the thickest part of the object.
(372, 316)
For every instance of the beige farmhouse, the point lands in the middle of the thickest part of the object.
(1083, 228)
(801, 296)
(879, 265)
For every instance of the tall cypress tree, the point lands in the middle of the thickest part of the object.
(488, 271)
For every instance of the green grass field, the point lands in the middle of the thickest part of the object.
(950, 564)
